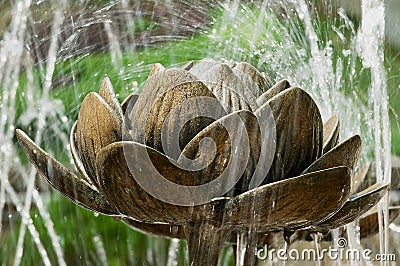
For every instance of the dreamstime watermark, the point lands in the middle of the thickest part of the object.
(339, 252)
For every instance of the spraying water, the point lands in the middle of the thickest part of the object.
(49, 59)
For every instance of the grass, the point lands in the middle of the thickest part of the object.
(392, 64)
(88, 236)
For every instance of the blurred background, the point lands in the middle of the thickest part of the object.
(346, 54)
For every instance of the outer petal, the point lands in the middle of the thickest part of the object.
(273, 91)
(157, 67)
(331, 133)
(292, 203)
(369, 225)
(298, 131)
(395, 176)
(108, 94)
(98, 125)
(63, 180)
(356, 206)
(116, 165)
(346, 154)
(395, 179)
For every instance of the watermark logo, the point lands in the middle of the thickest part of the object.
(339, 252)
(341, 242)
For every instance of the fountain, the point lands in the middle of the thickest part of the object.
(59, 57)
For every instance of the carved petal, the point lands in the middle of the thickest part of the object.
(97, 127)
(395, 176)
(129, 102)
(76, 157)
(291, 203)
(227, 87)
(359, 178)
(108, 94)
(369, 225)
(230, 100)
(298, 133)
(273, 91)
(395, 180)
(116, 165)
(63, 180)
(227, 133)
(331, 133)
(250, 76)
(346, 154)
(127, 105)
(268, 79)
(155, 86)
(200, 67)
(157, 67)
(356, 206)
(180, 112)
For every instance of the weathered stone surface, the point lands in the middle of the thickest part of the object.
(346, 154)
(98, 126)
(292, 203)
(299, 134)
(330, 133)
(355, 206)
(273, 91)
(63, 180)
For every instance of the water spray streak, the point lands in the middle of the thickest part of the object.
(371, 43)
(13, 50)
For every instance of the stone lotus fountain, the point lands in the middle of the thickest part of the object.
(306, 180)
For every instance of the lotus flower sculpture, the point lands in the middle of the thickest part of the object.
(212, 150)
